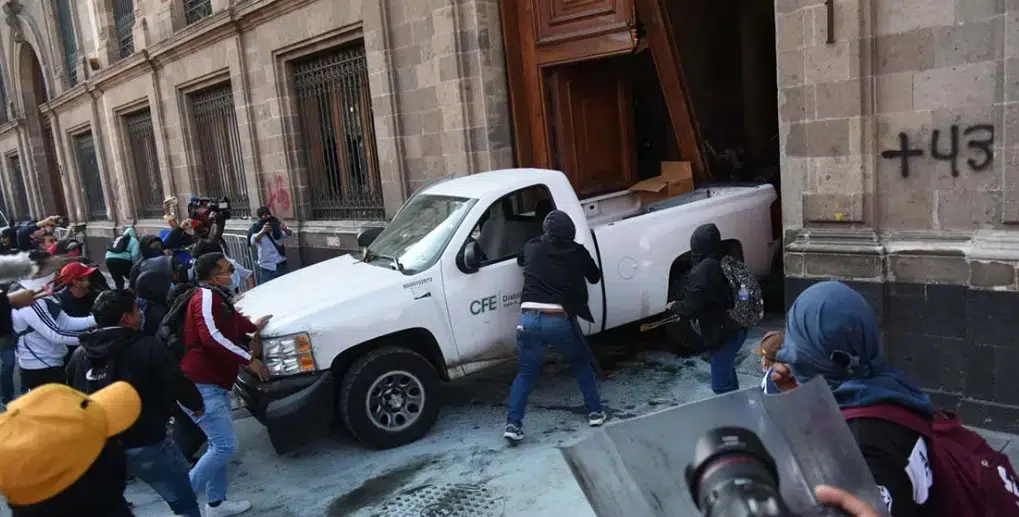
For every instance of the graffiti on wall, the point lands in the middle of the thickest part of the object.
(945, 146)
(279, 196)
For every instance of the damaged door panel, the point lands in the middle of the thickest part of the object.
(665, 51)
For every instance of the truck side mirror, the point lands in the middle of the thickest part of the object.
(471, 257)
(367, 236)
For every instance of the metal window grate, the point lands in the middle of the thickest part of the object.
(339, 153)
(217, 138)
(20, 192)
(197, 10)
(123, 19)
(88, 169)
(141, 142)
(67, 39)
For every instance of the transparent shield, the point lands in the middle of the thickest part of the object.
(637, 467)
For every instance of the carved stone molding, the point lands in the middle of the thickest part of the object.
(12, 8)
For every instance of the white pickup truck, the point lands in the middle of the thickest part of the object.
(436, 297)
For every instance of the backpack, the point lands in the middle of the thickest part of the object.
(172, 326)
(119, 244)
(748, 302)
(971, 479)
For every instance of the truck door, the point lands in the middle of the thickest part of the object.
(484, 305)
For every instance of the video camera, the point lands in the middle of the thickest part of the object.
(204, 209)
(733, 475)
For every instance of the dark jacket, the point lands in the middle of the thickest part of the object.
(147, 365)
(162, 264)
(24, 240)
(74, 306)
(97, 493)
(555, 268)
(706, 296)
(152, 287)
(887, 448)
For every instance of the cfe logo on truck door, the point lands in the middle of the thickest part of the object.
(486, 304)
(494, 302)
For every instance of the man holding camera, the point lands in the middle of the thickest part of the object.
(268, 235)
(28, 236)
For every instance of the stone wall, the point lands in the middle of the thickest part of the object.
(900, 146)
(436, 79)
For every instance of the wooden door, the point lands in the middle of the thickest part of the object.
(592, 125)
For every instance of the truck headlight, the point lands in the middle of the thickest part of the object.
(288, 355)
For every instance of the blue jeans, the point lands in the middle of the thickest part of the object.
(536, 331)
(217, 422)
(7, 361)
(723, 364)
(163, 468)
(264, 275)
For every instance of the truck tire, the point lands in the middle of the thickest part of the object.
(389, 397)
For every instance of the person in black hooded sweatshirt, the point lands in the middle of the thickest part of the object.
(706, 299)
(118, 349)
(553, 297)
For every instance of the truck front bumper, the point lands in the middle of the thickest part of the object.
(295, 410)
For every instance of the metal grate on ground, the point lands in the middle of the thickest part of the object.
(448, 500)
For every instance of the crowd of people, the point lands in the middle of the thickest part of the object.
(138, 375)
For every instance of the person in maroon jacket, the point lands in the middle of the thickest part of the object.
(216, 337)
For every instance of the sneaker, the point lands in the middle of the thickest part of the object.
(596, 419)
(513, 433)
(227, 508)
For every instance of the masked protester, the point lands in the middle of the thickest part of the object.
(215, 336)
(58, 456)
(705, 301)
(119, 351)
(554, 295)
(123, 253)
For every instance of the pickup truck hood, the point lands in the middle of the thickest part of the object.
(328, 285)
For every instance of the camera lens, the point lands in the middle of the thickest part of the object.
(732, 475)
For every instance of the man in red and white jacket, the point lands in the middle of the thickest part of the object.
(215, 335)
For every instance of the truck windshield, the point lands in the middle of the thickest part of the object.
(419, 233)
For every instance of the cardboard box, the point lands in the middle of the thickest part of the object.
(676, 178)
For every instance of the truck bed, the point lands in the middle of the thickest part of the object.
(638, 245)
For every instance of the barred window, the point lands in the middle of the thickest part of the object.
(67, 40)
(220, 168)
(20, 194)
(141, 144)
(338, 134)
(88, 170)
(123, 21)
(197, 10)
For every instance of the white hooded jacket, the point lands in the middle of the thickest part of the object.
(43, 337)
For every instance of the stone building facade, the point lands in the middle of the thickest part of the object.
(329, 113)
(900, 154)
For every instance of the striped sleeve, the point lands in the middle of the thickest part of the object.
(209, 329)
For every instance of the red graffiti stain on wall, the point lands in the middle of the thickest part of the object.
(279, 196)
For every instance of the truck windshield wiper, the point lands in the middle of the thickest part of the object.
(391, 258)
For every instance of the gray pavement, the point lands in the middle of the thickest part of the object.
(464, 458)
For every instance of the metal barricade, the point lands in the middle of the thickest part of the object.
(237, 248)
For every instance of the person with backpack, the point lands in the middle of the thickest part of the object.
(119, 351)
(719, 301)
(122, 254)
(215, 337)
(44, 330)
(924, 462)
(268, 235)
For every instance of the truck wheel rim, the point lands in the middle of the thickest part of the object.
(395, 401)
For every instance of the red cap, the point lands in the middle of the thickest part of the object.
(75, 271)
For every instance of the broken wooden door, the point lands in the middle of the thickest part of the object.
(592, 125)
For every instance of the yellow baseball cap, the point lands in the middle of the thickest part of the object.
(51, 436)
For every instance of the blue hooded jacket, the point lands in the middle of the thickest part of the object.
(831, 331)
